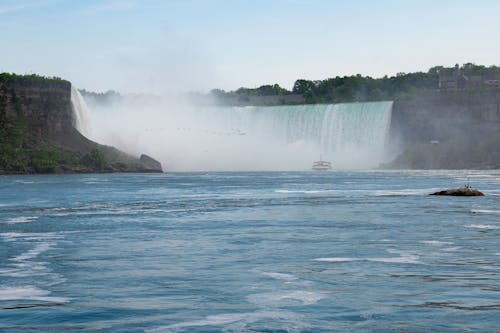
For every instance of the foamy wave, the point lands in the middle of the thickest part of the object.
(405, 259)
(30, 270)
(24, 182)
(31, 254)
(21, 219)
(451, 249)
(410, 259)
(484, 211)
(242, 318)
(337, 259)
(26, 236)
(280, 276)
(405, 192)
(483, 226)
(276, 299)
(305, 191)
(26, 264)
(377, 193)
(436, 242)
(30, 293)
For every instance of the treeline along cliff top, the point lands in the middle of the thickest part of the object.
(346, 89)
(358, 88)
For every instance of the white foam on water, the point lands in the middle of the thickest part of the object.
(8, 272)
(337, 259)
(20, 219)
(26, 270)
(282, 298)
(484, 211)
(403, 192)
(306, 191)
(59, 214)
(376, 193)
(26, 236)
(483, 226)
(58, 208)
(24, 182)
(29, 293)
(26, 263)
(244, 319)
(436, 242)
(409, 259)
(403, 259)
(451, 249)
(33, 253)
(280, 276)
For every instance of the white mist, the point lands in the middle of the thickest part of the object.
(185, 137)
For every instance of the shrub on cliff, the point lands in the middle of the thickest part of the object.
(94, 160)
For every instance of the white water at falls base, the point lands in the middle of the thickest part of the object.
(187, 138)
(81, 115)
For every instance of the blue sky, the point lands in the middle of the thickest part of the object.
(195, 45)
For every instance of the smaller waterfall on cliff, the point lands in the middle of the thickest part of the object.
(81, 117)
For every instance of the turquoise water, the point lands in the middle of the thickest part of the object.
(249, 252)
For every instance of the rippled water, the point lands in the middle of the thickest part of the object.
(249, 252)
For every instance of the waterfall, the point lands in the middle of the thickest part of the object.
(81, 116)
(290, 137)
(332, 128)
(351, 135)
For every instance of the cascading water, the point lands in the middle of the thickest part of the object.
(332, 128)
(80, 113)
(187, 138)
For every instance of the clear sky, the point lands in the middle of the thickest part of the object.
(194, 45)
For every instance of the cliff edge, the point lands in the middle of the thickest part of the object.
(38, 135)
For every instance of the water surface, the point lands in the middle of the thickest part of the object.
(249, 252)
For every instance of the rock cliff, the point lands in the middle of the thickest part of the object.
(37, 133)
(447, 130)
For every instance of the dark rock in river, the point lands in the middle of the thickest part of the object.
(461, 192)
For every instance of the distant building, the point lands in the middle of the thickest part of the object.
(459, 81)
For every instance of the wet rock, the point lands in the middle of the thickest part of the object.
(460, 192)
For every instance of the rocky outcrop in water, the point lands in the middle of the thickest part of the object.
(37, 133)
(460, 192)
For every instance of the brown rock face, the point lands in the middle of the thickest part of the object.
(461, 192)
(42, 104)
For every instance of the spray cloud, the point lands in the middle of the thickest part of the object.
(189, 137)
